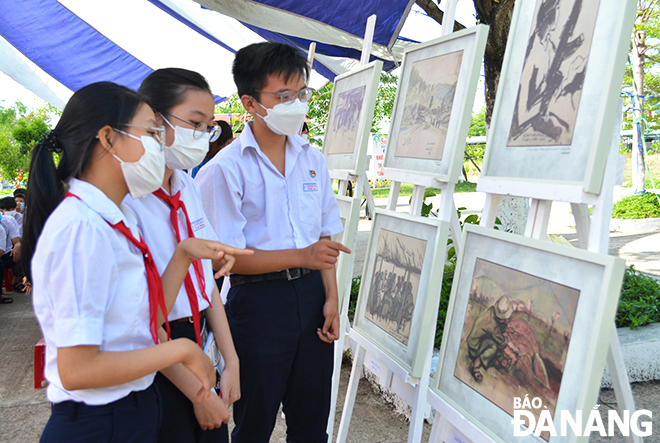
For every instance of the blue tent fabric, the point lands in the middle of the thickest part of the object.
(66, 47)
(350, 15)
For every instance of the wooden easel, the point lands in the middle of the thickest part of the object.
(593, 234)
(412, 390)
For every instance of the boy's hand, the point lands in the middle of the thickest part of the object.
(323, 254)
(330, 330)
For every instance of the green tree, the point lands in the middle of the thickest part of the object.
(20, 130)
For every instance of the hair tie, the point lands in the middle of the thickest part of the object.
(52, 143)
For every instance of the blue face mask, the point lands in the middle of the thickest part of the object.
(22, 205)
(0, 216)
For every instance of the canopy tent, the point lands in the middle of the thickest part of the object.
(55, 47)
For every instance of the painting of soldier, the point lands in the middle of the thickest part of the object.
(393, 291)
(428, 104)
(516, 335)
(553, 73)
(344, 120)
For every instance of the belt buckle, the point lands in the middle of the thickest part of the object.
(296, 275)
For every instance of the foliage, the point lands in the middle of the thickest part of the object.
(355, 291)
(233, 106)
(20, 130)
(639, 302)
(637, 207)
(478, 124)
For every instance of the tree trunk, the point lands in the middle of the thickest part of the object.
(637, 58)
(512, 211)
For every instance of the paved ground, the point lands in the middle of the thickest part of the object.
(24, 410)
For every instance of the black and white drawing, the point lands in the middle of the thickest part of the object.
(344, 121)
(428, 104)
(553, 74)
(393, 290)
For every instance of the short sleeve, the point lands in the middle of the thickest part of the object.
(81, 273)
(3, 236)
(221, 190)
(12, 228)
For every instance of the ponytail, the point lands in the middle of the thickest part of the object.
(74, 140)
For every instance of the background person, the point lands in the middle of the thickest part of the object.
(226, 136)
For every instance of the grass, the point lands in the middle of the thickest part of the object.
(407, 189)
(652, 162)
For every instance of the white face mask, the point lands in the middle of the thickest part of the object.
(186, 151)
(145, 175)
(285, 118)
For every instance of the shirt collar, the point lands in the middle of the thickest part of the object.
(176, 183)
(98, 201)
(294, 143)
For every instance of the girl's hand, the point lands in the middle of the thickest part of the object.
(211, 413)
(200, 365)
(230, 385)
(223, 255)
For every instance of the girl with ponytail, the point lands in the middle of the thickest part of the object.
(98, 295)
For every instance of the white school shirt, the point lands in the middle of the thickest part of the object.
(90, 288)
(3, 235)
(19, 220)
(153, 218)
(11, 229)
(250, 203)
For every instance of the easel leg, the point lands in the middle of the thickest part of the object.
(438, 429)
(395, 188)
(620, 381)
(582, 222)
(336, 373)
(489, 213)
(351, 393)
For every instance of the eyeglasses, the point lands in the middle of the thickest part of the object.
(200, 128)
(305, 94)
(157, 133)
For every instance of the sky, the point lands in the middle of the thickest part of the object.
(418, 26)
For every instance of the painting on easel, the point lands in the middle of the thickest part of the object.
(349, 118)
(515, 336)
(557, 98)
(432, 109)
(527, 319)
(428, 105)
(553, 74)
(394, 286)
(400, 288)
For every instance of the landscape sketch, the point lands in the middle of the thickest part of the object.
(395, 282)
(344, 120)
(516, 336)
(427, 108)
(553, 73)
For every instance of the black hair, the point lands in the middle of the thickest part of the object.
(226, 134)
(8, 203)
(164, 89)
(74, 138)
(305, 128)
(20, 192)
(255, 62)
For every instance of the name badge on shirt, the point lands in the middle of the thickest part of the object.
(198, 224)
(310, 187)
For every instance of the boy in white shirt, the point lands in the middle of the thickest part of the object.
(270, 191)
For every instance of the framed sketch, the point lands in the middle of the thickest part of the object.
(349, 212)
(525, 318)
(433, 107)
(558, 94)
(349, 121)
(400, 288)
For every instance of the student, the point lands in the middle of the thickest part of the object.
(19, 195)
(226, 136)
(10, 243)
(270, 191)
(8, 206)
(182, 101)
(97, 294)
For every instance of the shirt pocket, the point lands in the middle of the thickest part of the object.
(311, 211)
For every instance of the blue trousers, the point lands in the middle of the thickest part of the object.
(283, 361)
(134, 418)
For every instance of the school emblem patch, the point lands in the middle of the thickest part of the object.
(312, 173)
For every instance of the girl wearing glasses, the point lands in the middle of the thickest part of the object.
(182, 101)
(97, 294)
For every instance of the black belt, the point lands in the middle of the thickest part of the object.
(287, 274)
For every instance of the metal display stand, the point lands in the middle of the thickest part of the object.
(593, 234)
(412, 390)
